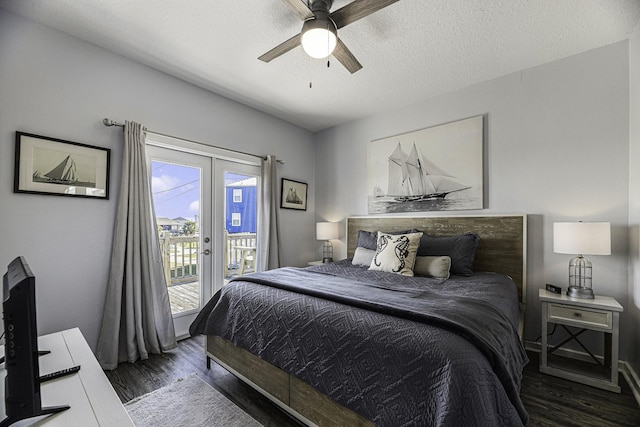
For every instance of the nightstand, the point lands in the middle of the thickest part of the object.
(599, 314)
(315, 262)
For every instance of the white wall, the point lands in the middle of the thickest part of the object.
(55, 85)
(634, 194)
(558, 146)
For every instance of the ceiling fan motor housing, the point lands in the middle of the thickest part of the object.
(321, 17)
(321, 6)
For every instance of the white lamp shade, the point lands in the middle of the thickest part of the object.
(318, 42)
(582, 238)
(327, 230)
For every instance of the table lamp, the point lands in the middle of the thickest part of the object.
(590, 238)
(327, 231)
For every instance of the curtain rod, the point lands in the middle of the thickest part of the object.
(109, 122)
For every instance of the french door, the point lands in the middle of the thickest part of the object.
(207, 214)
(182, 188)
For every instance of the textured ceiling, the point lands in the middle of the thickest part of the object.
(410, 51)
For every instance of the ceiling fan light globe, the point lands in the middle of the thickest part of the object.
(318, 43)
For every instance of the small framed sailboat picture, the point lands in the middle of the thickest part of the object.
(293, 195)
(56, 167)
(433, 169)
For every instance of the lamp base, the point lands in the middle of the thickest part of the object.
(576, 292)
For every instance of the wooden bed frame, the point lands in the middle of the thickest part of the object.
(502, 249)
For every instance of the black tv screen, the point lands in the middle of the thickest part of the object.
(22, 385)
(22, 381)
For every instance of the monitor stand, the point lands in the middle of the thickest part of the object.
(43, 411)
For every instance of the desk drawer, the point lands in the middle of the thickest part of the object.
(579, 316)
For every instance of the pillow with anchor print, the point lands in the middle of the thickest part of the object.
(396, 253)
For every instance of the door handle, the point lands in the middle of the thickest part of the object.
(206, 252)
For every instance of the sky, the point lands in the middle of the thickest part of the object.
(176, 189)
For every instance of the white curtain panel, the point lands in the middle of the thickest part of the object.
(269, 241)
(137, 315)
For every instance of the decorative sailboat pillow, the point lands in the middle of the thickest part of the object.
(396, 253)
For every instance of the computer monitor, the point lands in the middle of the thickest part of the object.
(22, 381)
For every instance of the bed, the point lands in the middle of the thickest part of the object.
(340, 344)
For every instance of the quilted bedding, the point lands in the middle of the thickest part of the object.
(400, 351)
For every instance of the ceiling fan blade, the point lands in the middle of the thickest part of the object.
(300, 8)
(346, 58)
(358, 9)
(281, 49)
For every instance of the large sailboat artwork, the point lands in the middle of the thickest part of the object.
(433, 169)
(413, 177)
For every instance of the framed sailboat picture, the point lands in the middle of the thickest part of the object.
(53, 166)
(433, 169)
(293, 195)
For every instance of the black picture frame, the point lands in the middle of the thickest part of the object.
(293, 195)
(57, 167)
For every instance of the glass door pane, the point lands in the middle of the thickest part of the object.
(180, 183)
(240, 223)
(237, 201)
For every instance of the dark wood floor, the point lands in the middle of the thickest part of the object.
(550, 401)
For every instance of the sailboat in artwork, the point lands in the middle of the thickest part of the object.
(412, 177)
(292, 197)
(64, 173)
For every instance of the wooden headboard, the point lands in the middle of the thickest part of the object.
(503, 239)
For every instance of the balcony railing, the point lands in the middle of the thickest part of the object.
(181, 256)
(240, 253)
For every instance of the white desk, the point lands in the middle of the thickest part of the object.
(92, 399)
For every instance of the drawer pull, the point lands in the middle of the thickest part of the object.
(577, 314)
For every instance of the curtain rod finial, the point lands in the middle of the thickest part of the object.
(109, 122)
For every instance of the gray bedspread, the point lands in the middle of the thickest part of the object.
(400, 351)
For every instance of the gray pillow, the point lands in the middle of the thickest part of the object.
(432, 266)
(461, 249)
(369, 239)
(363, 257)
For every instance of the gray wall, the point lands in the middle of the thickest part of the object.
(562, 130)
(634, 195)
(56, 85)
(557, 149)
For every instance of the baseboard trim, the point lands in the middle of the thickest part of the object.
(629, 374)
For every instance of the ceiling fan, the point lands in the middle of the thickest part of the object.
(319, 35)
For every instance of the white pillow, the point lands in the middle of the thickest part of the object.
(363, 257)
(396, 253)
(432, 266)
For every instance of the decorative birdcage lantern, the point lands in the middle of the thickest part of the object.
(592, 238)
(580, 278)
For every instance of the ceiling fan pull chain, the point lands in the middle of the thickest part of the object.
(309, 71)
(328, 46)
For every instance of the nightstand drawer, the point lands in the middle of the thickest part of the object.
(580, 316)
